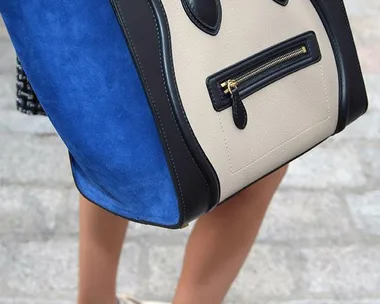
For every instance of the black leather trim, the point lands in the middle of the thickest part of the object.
(353, 97)
(282, 2)
(195, 180)
(205, 14)
(223, 101)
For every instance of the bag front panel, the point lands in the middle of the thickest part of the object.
(284, 118)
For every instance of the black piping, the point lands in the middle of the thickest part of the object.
(192, 142)
(195, 180)
(353, 101)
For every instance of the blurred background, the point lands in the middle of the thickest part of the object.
(320, 243)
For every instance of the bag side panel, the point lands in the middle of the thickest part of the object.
(75, 55)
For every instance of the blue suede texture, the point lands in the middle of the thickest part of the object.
(78, 62)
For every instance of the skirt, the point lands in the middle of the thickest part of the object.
(26, 100)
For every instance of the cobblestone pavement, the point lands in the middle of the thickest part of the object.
(320, 243)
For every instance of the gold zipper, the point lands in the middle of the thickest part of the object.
(231, 84)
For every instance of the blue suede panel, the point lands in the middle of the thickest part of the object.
(80, 67)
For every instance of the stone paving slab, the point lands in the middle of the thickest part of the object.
(367, 40)
(369, 154)
(294, 217)
(49, 212)
(3, 31)
(358, 8)
(32, 301)
(366, 128)
(7, 57)
(327, 166)
(347, 272)
(311, 301)
(307, 217)
(373, 88)
(365, 210)
(27, 159)
(42, 301)
(7, 92)
(12, 121)
(268, 274)
(282, 272)
(49, 269)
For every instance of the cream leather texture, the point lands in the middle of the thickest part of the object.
(285, 119)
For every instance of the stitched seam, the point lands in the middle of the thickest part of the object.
(348, 25)
(293, 138)
(310, 48)
(208, 84)
(170, 106)
(225, 142)
(333, 40)
(181, 106)
(154, 105)
(203, 26)
(221, 94)
(167, 95)
(235, 111)
(350, 30)
(123, 211)
(198, 16)
(276, 148)
(299, 134)
(269, 152)
(219, 107)
(194, 16)
(325, 87)
(245, 114)
(219, 12)
(335, 47)
(223, 132)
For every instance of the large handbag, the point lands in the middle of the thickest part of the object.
(170, 107)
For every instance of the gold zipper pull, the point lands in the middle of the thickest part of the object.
(229, 86)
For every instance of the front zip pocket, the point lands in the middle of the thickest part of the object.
(230, 86)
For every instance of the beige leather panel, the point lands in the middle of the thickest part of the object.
(284, 119)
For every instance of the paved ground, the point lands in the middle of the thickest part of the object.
(320, 243)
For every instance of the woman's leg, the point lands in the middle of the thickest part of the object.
(215, 252)
(101, 238)
(221, 241)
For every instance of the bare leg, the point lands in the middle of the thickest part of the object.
(221, 241)
(101, 239)
(215, 253)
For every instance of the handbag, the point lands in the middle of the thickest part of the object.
(170, 107)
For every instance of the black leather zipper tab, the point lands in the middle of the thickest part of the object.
(238, 110)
